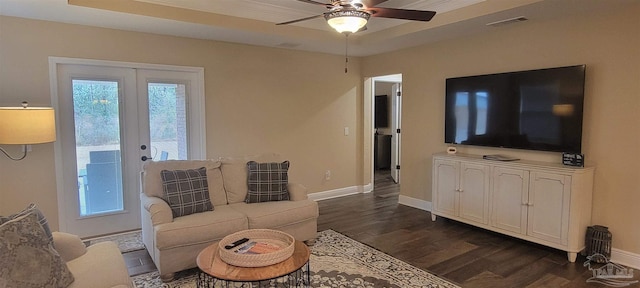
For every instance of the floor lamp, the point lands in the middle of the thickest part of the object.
(26, 125)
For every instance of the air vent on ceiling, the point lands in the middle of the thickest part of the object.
(508, 21)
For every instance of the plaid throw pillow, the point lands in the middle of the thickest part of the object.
(267, 182)
(186, 191)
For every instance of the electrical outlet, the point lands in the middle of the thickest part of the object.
(327, 175)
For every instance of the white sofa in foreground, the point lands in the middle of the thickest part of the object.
(31, 256)
(174, 242)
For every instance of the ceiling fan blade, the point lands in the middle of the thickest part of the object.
(300, 20)
(372, 3)
(406, 14)
(317, 3)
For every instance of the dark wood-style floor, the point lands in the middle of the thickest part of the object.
(463, 254)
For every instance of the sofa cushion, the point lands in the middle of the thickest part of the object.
(272, 215)
(186, 191)
(267, 181)
(41, 219)
(234, 171)
(199, 228)
(152, 182)
(28, 256)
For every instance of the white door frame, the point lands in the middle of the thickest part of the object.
(370, 93)
(196, 122)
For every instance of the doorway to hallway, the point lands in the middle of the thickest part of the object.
(386, 123)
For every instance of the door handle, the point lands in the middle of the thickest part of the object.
(144, 158)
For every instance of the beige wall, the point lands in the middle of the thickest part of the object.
(309, 101)
(608, 44)
(257, 100)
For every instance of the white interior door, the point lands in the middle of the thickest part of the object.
(396, 110)
(112, 118)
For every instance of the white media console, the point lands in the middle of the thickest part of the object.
(545, 203)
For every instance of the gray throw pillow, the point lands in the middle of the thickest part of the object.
(267, 182)
(28, 258)
(186, 191)
(41, 219)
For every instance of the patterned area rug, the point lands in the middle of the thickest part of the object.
(336, 261)
(127, 242)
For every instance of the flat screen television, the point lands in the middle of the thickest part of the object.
(532, 110)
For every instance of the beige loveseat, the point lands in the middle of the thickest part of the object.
(174, 243)
(98, 266)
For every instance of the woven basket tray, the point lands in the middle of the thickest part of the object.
(285, 241)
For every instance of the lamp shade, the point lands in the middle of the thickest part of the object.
(20, 125)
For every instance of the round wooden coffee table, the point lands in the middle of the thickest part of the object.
(214, 270)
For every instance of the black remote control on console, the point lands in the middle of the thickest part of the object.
(236, 244)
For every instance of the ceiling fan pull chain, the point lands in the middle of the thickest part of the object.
(346, 52)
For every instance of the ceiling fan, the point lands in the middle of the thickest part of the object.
(351, 16)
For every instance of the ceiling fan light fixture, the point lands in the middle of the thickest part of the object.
(347, 20)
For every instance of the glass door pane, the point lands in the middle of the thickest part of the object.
(97, 138)
(167, 121)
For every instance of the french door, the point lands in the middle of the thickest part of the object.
(111, 118)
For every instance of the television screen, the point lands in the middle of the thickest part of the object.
(533, 110)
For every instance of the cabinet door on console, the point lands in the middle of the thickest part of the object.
(549, 196)
(445, 187)
(510, 199)
(474, 192)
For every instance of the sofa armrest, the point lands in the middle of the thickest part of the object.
(69, 246)
(297, 192)
(158, 209)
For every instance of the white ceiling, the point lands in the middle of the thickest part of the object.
(278, 11)
(253, 21)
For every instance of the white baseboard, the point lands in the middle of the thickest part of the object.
(324, 195)
(625, 258)
(414, 202)
(367, 188)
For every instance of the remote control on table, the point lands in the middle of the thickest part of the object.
(236, 244)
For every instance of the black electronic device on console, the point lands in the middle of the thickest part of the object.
(573, 159)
